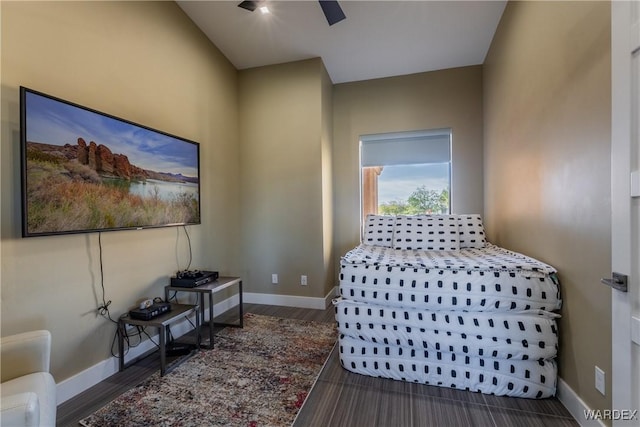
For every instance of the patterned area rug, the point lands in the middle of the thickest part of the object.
(256, 376)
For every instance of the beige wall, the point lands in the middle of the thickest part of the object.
(547, 165)
(440, 99)
(279, 156)
(284, 177)
(146, 62)
(327, 182)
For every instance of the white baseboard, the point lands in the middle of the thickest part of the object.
(82, 381)
(575, 405)
(290, 301)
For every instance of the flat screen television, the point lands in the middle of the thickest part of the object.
(86, 171)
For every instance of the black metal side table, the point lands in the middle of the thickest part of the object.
(210, 289)
(162, 322)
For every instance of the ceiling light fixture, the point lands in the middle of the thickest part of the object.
(331, 9)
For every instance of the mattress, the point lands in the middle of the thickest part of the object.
(473, 279)
(511, 377)
(480, 319)
(525, 335)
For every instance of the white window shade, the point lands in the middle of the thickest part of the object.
(404, 149)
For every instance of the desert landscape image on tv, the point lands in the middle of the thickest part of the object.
(87, 171)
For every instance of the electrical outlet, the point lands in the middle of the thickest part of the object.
(274, 279)
(600, 380)
(303, 280)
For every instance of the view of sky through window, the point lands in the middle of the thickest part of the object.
(398, 182)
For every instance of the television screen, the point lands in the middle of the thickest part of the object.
(87, 171)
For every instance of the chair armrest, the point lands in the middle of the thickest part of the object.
(24, 354)
(22, 409)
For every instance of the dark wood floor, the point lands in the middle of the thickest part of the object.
(342, 398)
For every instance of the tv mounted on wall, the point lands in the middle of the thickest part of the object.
(86, 171)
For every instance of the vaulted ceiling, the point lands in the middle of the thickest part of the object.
(377, 38)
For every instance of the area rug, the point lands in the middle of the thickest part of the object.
(255, 376)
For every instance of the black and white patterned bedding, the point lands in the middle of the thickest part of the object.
(433, 232)
(488, 258)
(442, 280)
(446, 290)
(480, 318)
(525, 335)
(503, 377)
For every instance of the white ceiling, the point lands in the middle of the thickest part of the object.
(377, 39)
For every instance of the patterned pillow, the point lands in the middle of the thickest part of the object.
(378, 230)
(471, 231)
(427, 232)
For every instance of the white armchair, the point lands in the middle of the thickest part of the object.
(28, 390)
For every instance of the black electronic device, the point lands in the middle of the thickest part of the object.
(150, 312)
(193, 278)
(179, 349)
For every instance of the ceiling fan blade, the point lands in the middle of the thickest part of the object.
(332, 11)
(249, 5)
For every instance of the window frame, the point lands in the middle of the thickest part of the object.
(426, 135)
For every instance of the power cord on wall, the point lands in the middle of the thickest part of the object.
(103, 310)
(186, 232)
(173, 296)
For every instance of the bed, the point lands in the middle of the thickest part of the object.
(427, 299)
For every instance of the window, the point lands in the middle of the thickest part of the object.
(406, 173)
